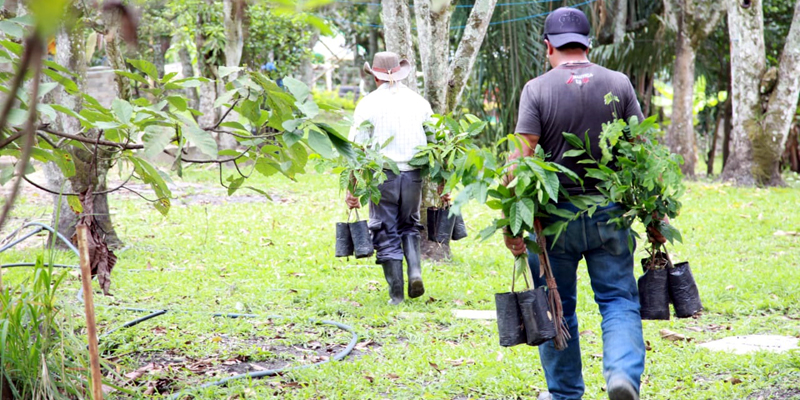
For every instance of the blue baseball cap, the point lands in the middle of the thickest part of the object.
(567, 25)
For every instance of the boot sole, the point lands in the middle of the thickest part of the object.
(622, 392)
(415, 288)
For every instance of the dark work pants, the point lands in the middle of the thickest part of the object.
(397, 214)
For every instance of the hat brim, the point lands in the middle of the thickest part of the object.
(405, 69)
(562, 39)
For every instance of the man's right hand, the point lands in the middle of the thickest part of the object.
(352, 201)
(516, 244)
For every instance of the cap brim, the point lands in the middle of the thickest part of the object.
(562, 39)
(405, 69)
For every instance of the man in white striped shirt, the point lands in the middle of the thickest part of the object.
(396, 114)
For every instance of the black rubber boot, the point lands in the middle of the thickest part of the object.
(393, 271)
(413, 259)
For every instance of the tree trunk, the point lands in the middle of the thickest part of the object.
(791, 155)
(208, 91)
(160, 53)
(681, 138)
(433, 30)
(397, 35)
(467, 51)
(748, 65)
(234, 39)
(712, 151)
(783, 100)
(70, 53)
(728, 126)
(620, 20)
(759, 137)
(115, 56)
(188, 72)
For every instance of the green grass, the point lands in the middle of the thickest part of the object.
(277, 259)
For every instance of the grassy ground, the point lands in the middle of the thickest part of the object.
(276, 258)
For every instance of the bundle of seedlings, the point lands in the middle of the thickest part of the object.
(640, 174)
(449, 142)
(361, 174)
(534, 315)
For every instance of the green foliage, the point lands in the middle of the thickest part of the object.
(40, 356)
(451, 140)
(636, 171)
(279, 38)
(363, 172)
(332, 100)
(532, 193)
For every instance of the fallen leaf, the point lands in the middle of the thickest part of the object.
(499, 356)
(369, 378)
(672, 336)
(364, 345)
(733, 381)
(587, 332)
(461, 361)
(297, 274)
(393, 376)
(431, 300)
(729, 287)
(216, 339)
(786, 233)
(459, 302)
(598, 355)
(436, 367)
(694, 328)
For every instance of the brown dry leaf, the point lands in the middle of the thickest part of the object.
(297, 274)
(431, 300)
(647, 346)
(786, 233)
(694, 328)
(598, 355)
(587, 332)
(101, 259)
(148, 266)
(370, 378)
(141, 371)
(364, 345)
(733, 381)
(393, 376)
(729, 287)
(436, 367)
(461, 361)
(672, 336)
(314, 345)
(459, 302)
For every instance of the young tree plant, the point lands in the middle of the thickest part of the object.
(637, 171)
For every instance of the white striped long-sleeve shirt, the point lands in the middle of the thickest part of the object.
(395, 111)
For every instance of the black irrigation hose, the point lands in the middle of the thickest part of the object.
(157, 313)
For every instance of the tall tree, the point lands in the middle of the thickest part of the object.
(90, 171)
(444, 81)
(397, 35)
(764, 100)
(692, 21)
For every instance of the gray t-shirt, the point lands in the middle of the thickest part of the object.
(570, 98)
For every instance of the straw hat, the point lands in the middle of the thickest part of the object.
(388, 66)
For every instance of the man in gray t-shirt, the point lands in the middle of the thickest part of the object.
(570, 98)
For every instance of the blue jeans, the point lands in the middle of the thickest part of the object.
(610, 265)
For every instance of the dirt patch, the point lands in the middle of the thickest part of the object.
(775, 394)
(162, 370)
